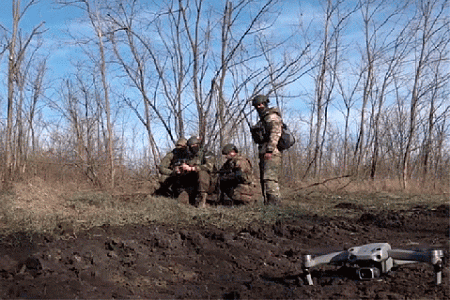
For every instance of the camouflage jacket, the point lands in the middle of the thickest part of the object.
(172, 159)
(239, 168)
(273, 124)
(204, 160)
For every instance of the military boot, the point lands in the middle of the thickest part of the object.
(202, 202)
(273, 199)
(183, 197)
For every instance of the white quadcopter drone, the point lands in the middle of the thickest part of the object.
(372, 260)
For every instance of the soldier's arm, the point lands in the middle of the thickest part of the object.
(275, 125)
(244, 170)
(164, 166)
(208, 166)
(226, 173)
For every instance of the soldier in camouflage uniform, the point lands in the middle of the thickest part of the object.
(270, 128)
(198, 170)
(236, 178)
(171, 170)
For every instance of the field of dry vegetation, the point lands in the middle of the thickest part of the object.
(39, 206)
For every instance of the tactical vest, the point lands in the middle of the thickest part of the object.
(261, 133)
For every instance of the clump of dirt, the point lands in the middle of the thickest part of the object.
(202, 261)
(442, 210)
(348, 205)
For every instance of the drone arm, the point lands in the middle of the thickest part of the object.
(334, 257)
(408, 255)
(310, 262)
(433, 257)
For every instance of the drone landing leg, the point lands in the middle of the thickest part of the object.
(308, 277)
(437, 265)
(307, 263)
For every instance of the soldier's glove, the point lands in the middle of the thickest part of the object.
(177, 170)
(258, 132)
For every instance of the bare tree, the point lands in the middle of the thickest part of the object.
(80, 108)
(125, 33)
(348, 101)
(431, 31)
(182, 61)
(17, 49)
(93, 10)
(437, 107)
(384, 53)
(29, 78)
(335, 18)
(226, 28)
(37, 87)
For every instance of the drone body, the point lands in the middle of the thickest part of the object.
(372, 260)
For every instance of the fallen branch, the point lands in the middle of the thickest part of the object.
(322, 182)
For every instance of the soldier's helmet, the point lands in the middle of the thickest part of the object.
(228, 148)
(258, 99)
(181, 143)
(193, 141)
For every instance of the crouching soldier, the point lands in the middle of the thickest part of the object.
(236, 178)
(198, 170)
(171, 170)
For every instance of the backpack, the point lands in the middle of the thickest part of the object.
(260, 136)
(287, 139)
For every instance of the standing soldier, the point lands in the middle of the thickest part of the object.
(266, 133)
(199, 169)
(236, 177)
(171, 169)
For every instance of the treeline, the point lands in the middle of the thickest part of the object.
(363, 84)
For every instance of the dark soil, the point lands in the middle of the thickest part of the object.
(260, 261)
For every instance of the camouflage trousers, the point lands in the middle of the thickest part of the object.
(166, 182)
(270, 170)
(240, 193)
(193, 183)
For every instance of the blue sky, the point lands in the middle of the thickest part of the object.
(57, 20)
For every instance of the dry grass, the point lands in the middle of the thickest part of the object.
(321, 197)
(37, 206)
(42, 207)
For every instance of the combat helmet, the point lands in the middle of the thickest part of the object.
(228, 148)
(258, 99)
(193, 141)
(182, 142)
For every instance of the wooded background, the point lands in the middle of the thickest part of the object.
(364, 85)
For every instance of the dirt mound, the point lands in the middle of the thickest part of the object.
(443, 210)
(258, 261)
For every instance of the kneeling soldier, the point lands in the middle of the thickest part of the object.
(198, 170)
(170, 169)
(236, 177)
